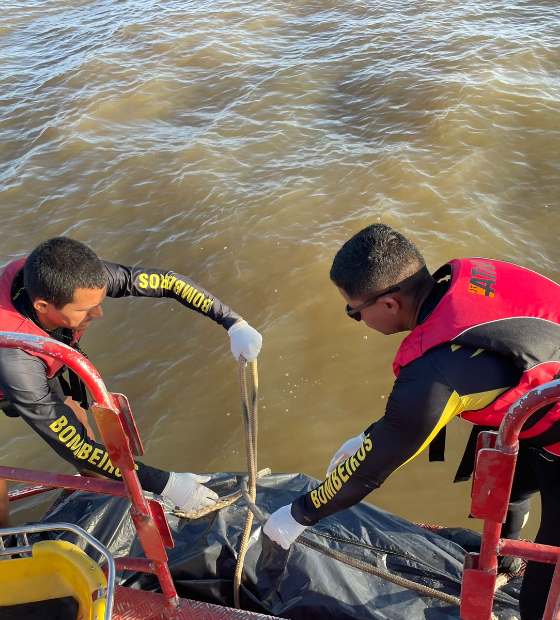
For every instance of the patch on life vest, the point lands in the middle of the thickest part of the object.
(483, 279)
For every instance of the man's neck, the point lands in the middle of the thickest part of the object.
(424, 292)
(46, 325)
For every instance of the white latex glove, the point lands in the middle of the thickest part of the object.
(187, 492)
(282, 528)
(347, 450)
(245, 341)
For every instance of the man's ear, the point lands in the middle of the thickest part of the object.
(390, 304)
(41, 305)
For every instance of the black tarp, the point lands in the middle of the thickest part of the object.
(300, 583)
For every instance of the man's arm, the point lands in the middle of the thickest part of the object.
(24, 383)
(427, 394)
(413, 411)
(141, 282)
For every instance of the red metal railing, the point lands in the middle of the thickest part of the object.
(495, 466)
(119, 434)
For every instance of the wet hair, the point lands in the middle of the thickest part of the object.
(376, 258)
(59, 266)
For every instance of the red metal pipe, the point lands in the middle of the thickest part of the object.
(491, 487)
(528, 550)
(67, 355)
(488, 559)
(141, 565)
(508, 442)
(24, 492)
(64, 481)
(521, 410)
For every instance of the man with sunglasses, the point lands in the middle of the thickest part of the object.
(483, 333)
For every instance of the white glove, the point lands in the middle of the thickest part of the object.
(187, 492)
(245, 341)
(347, 450)
(282, 528)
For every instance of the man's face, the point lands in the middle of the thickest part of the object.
(382, 316)
(78, 314)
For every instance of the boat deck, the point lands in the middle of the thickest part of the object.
(133, 604)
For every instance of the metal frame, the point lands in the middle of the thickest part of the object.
(108, 568)
(120, 437)
(492, 482)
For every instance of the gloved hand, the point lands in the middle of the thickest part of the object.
(282, 528)
(245, 341)
(346, 451)
(187, 492)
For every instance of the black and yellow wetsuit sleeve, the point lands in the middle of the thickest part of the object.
(142, 282)
(40, 402)
(427, 394)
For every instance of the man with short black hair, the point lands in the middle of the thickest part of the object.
(483, 332)
(57, 292)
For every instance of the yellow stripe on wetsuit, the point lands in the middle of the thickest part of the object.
(457, 405)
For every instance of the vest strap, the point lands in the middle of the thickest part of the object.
(466, 466)
(436, 451)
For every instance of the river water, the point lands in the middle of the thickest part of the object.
(241, 144)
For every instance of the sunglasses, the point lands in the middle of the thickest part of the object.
(355, 313)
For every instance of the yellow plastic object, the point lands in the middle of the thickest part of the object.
(56, 569)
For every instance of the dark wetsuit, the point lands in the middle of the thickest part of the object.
(429, 392)
(39, 400)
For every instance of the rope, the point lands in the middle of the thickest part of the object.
(251, 429)
(305, 540)
(223, 502)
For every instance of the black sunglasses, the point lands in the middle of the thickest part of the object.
(355, 313)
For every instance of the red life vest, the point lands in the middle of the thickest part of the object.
(12, 321)
(501, 307)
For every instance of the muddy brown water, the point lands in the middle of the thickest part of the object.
(240, 145)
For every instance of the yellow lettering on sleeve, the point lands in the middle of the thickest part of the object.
(336, 480)
(178, 287)
(77, 448)
(95, 456)
(59, 424)
(143, 280)
(207, 305)
(85, 451)
(188, 288)
(328, 488)
(67, 434)
(103, 460)
(75, 443)
(315, 499)
(198, 300)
